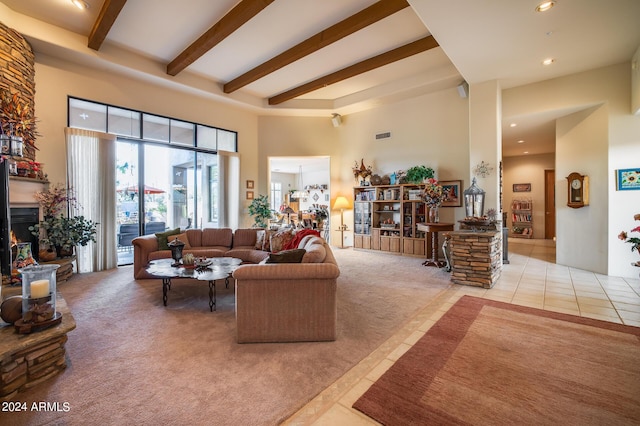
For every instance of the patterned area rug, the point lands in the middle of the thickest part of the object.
(487, 362)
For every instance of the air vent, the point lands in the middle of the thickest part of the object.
(385, 135)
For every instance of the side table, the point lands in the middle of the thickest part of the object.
(433, 229)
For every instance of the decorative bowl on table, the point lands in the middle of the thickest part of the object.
(202, 262)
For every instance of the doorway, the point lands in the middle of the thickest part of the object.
(550, 204)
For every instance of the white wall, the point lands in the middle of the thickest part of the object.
(602, 137)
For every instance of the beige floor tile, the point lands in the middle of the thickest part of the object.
(607, 312)
(552, 303)
(629, 316)
(632, 323)
(601, 317)
(379, 369)
(593, 301)
(529, 303)
(355, 392)
(341, 416)
(399, 351)
(621, 306)
(414, 337)
(562, 310)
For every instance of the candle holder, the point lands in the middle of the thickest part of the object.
(38, 298)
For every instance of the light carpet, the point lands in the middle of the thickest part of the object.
(492, 363)
(134, 361)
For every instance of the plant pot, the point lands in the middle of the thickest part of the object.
(47, 255)
(62, 252)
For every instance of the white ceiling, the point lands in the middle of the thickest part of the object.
(502, 40)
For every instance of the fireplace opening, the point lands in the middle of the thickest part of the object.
(21, 219)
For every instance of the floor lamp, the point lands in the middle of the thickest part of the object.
(341, 203)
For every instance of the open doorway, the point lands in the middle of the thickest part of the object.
(300, 192)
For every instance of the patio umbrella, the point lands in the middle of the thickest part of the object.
(147, 189)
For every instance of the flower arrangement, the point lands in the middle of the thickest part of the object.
(633, 240)
(433, 193)
(17, 118)
(56, 199)
(320, 212)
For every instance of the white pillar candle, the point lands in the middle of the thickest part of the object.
(39, 288)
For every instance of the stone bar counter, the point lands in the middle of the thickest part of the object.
(476, 257)
(26, 360)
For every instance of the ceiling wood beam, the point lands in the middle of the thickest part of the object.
(237, 17)
(108, 14)
(386, 58)
(360, 20)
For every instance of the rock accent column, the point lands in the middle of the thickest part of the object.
(476, 257)
(17, 71)
(26, 360)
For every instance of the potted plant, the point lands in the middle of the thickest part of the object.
(260, 210)
(64, 233)
(417, 174)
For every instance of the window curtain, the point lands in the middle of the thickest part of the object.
(91, 169)
(229, 189)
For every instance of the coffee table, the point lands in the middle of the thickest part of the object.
(219, 268)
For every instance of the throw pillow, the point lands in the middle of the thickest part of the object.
(266, 245)
(182, 237)
(287, 256)
(280, 239)
(316, 253)
(163, 238)
(260, 239)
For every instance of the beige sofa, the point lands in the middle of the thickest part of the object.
(208, 242)
(289, 302)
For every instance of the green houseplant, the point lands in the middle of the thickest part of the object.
(417, 174)
(64, 233)
(260, 210)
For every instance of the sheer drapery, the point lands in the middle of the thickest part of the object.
(229, 189)
(91, 168)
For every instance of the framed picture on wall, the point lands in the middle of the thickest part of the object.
(627, 179)
(454, 196)
(249, 184)
(521, 187)
(249, 195)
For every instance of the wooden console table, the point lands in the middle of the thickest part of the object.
(433, 229)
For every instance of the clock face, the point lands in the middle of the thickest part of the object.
(576, 184)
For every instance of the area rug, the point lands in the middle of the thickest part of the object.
(493, 363)
(132, 360)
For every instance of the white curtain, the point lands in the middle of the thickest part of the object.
(91, 168)
(229, 189)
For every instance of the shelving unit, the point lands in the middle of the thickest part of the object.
(522, 218)
(386, 218)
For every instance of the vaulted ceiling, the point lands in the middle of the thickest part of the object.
(310, 57)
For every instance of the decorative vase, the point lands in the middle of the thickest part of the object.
(434, 214)
(24, 257)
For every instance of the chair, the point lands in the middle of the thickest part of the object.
(128, 231)
(154, 227)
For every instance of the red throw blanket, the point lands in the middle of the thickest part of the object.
(298, 237)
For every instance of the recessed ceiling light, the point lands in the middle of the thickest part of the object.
(548, 61)
(80, 4)
(526, 152)
(512, 125)
(520, 141)
(545, 5)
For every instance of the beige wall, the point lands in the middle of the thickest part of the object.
(431, 130)
(527, 169)
(56, 79)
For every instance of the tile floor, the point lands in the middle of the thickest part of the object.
(531, 279)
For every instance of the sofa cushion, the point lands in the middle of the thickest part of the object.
(266, 246)
(182, 237)
(287, 256)
(163, 238)
(217, 237)
(280, 239)
(315, 250)
(245, 237)
(247, 254)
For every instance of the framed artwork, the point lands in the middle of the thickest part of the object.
(249, 184)
(627, 179)
(521, 187)
(249, 195)
(454, 194)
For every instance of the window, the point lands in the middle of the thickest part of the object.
(276, 195)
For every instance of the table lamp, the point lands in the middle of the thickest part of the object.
(341, 203)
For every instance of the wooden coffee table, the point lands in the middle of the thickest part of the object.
(219, 268)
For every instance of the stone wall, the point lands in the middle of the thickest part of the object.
(17, 71)
(476, 257)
